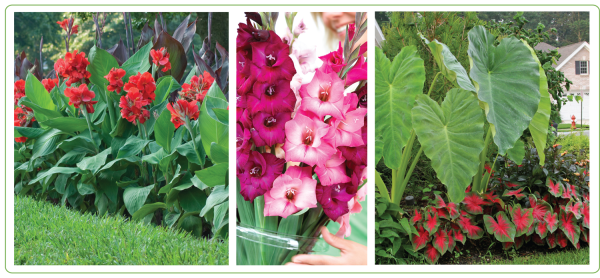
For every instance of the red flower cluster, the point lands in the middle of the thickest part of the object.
(144, 83)
(65, 23)
(181, 110)
(197, 88)
(115, 79)
(23, 117)
(79, 96)
(50, 83)
(19, 90)
(161, 58)
(140, 92)
(73, 67)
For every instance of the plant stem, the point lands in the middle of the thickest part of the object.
(189, 128)
(406, 154)
(491, 169)
(482, 156)
(87, 119)
(411, 169)
(433, 83)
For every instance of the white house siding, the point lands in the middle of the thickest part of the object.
(581, 87)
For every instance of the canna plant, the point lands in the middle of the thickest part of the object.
(121, 134)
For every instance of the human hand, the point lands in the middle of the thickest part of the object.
(352, 253)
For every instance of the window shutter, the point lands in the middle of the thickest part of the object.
(577, 67)
(588, 68)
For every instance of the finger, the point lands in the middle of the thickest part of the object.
(334, 241)
(316, 260)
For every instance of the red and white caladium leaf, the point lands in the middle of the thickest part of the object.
(561, 239)
(417, 216)
(568, 225)
(541, 229)
(539, 207)
(451, 242)
(551, 220)
(578, 246)
(585, 211)
(573, 191)
(531, 229)
(443, 213)
(457, 235)
(439, 202)
(517, 193)
(585, 233)
(452, 209)
(522, 218)
(503, 229)
(575, 208)
(511, 185)
(474, 203)
(551, 240)
(538, 240)
(492, 198)
(419, 241)
(507, 245)
(469, 227)
(431, 254)
(431, 223)
(566, 191)
(519, 241)
(554, 188)
(440, 241)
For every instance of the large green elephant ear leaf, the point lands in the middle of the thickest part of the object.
(449, 65)
(452, 137)
(508, 81)
(397, 84)
(539, 124)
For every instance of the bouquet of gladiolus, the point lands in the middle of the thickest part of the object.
(301, 137)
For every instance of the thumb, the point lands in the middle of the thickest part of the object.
(334, 241)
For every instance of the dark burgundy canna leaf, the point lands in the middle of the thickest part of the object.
(185, 32)
(569, 226)
(561, 240)
(473, 203)
(468, 227)
(417, 216)
(517, 193)
(441, 241)
(554, 188)
(539, 207)
(176, 52)
(431, 254)
(120, 52)
(541, 229)
(452, 209)
(503, 229)
(419, 241)
(439, 202)
(551, 220)
(522, 218)
(145, 36)
(432, 222)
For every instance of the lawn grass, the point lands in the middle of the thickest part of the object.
(46, 234)
(563, 257)
(568, 126)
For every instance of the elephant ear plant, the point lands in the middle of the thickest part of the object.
(504, 93)
(114, 135)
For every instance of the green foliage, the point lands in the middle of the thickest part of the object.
(46, 234)
(574, 143)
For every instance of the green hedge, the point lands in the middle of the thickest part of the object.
(46, 234)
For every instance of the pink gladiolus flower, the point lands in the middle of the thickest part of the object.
(324, 95)
(304, 141)
(288, 37)
(257, 175)
(269, 128)
(290, 195)
(305, 55)
(300, 28)
(358, 72)
(351, 31)
(334, 199)
(347, 132)
(333, 172)
(271, 60)
(271, 98)
(334, 60)
(345, 229)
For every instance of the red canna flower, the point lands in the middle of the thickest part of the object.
(197, 88)
(144, 83)
(115, 79)
(65, 24)
(19, 90)
(23, 117)
(73, 67)
(181, 110)
(161, 58)
(81, 96)
(50, 83)
(132, 107)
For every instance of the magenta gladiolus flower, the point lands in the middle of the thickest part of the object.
(357, 155)
(362, 96)
(347, 132)
(324, 95)
(304, 141)
(248, 34)
(271, 60)
(243, 145)
(334, 60)
(257, 175)
(334, 199)
(333, 172)
(290, 195)
(358, 72)
(271, 98)
(269, 128)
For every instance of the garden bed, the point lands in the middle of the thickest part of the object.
(46, 234)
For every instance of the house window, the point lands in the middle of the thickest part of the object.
(582, 67)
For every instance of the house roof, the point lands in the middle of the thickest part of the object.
(566, 52)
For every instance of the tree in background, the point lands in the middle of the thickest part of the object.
(571, 27)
